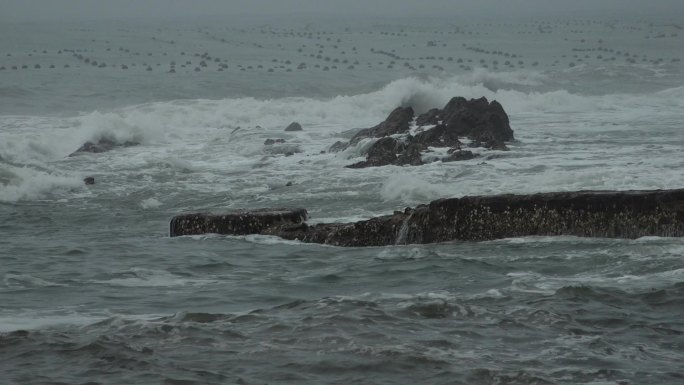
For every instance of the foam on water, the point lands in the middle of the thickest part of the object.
(150, 203)
(407, 187)
(40, 321)
(115, 300)
(28, 183)
(54, 138)
(208, 138)
(530, 282)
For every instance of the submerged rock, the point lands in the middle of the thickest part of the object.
(102, 145)
(609, 214)
(457, 155)
(270, 142)
(89, 180)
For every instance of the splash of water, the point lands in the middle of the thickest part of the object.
(402, 235)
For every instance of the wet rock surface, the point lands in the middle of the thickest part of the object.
(484, 123)
(102, 145)
(398, 122)
(381, 153)
(237, 222)
(457, 155)
(609, 214)
(477, 119)
(294, 126)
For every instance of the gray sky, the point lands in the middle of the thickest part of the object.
(22, 10)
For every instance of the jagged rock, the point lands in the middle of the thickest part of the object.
(429, 118)
(411, 156)
(102, 145)
(381, 153)
(608, 214)
(238, 222)
(477, 119)
(438, 136)
(458, 155)
(398, 122)
(485, 123)
(294, 126)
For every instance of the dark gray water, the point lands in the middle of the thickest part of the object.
(92, 289)
(545, 310)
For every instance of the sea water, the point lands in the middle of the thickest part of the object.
(93, 290)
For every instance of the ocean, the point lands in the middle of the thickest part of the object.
(94, 291)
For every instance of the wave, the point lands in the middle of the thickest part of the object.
(139, 277)
(29, 183)
(27, 281)
(32, 147)
(185, 119)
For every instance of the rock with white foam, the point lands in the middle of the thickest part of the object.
(102, 145)
(485, 123)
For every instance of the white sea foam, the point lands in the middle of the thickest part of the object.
(9, 323)
(409, 188)
(55, 138)
(202, 137)
(28, 183)
(150, 203)
(538, 283)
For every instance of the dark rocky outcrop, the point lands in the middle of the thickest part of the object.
(381, 153)
(484, 123)
(430, 118)
(438, 136)
(237, 222)
(410, 156)
(477, 119)
(102, 145)
(398, 122)
(89, 180)
(610, 214)
(294, 126)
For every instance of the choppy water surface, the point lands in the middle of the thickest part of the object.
(94, 291)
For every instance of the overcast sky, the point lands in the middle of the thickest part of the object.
(22, 10)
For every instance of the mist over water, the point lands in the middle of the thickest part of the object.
(94, 291)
